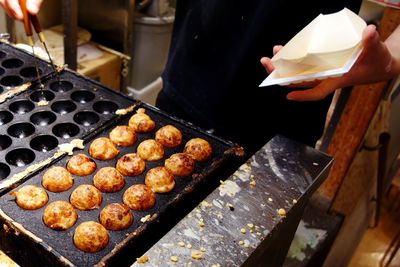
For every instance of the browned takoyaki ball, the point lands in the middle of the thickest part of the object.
(103, 148)
(169, 136)
(57, 179)
(81, 165)
(160, 180)
(109, 180)
(198, 148)
(30, 197)
(141, 122)
(150, 150)
(139, 197)
(86, 197)
(90, 236)
(130, 164)
(116, 216)
(123, 135)
(180, 164)
(59, 215)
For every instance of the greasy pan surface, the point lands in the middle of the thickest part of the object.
(61, 241)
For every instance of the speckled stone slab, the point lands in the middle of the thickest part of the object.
(250, 219)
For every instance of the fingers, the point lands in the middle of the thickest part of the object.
(12, 9)
(276, 49)
(33, 6)
(266, 62)
(317, 93)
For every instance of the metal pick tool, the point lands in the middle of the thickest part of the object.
(28, 19)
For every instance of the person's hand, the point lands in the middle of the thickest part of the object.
(376, 63)
(13, 9)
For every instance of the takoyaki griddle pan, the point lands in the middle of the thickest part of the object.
(34, 122)
(46, 247)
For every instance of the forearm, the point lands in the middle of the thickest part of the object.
(393, 45)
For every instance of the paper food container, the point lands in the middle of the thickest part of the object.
(325, 47)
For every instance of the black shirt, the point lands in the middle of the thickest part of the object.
(213, 69)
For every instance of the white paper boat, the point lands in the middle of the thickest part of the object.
(328, 46)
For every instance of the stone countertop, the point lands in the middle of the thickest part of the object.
(251, 217)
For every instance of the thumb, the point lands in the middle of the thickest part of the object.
(33, 6)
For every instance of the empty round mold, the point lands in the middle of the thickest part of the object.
(1, 89)
(5, 142)
(2, 54)
(22, 106)
(30, 72)
(65, 130)
(43, 118)
(4, 171)
(12, 63)
(86, 118)
(82, 96)
(20, 157)
(105, 107)
(61, 86)
(11, 80)
(5, 117)
(42, 95)
(21, 130)
(63, 106)
(2, 71)
(44, 143)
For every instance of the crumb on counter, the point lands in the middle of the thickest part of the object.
(188, 246)
(181, 244)
(270, 199)
(282, 212)
(253, 183)
(142, 259)
(197, 254)
(243, 230)
(174, 258)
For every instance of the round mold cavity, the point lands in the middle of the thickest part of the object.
(5, 117)
(21, 130)
(105, 107)
(82, 96)
(5, 142)
(2, 54)
(11, 80)
(22, 106)
(65, 130)
(20, 157)
(42, 95)
(4, 171)
(30, 72)
(61, 86)
(86, 118)
(1, 89)
(43, 118)
(44, 143)
(63, 106)
(2, 71)
(12, 63)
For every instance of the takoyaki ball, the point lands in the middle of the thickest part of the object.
(57, 179)
(86, 197)
(81, 165)
(139, 197)
(131, 164)
(116, 216)
(109, 180)
(169, 136)
(150, 150)
(103, 148)
(141, 122)
(90, 237)
(180, 164)
(160, 180)
(198, 148)
(123, 135)
(30, 197)
(59, 215)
